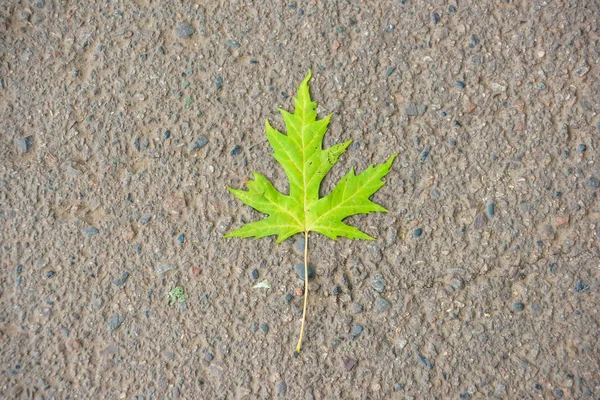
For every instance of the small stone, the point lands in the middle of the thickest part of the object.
(90, 231)
(348, 363)
(378, 283)
(233, 44)
(219, 84)
(417, 232)
(209, 356)
(167, 134)
(281, 388)
(288, 297)
(184, 30)
(390, 71)
(357, 308)
(411, 110)
(25, 144)
(185, 84)
(381, 305)
(145, 219)
(451, 9)
(50, 274)
(558, 393)
(161, 268)
(398, 387)
(122, 279)
(254, 274)
(336, 290)
(435, 18)
(254, 327)
(299, 268)
(581, 148)
(490, 210)
(593, 183)
(356, 330)
(518, 306)
(115, 321)
(199, 143)
(460, 84)
(581, 287)
(236, 150)
(181, 238)
(264, 328)
(39, 3)
(456, 283)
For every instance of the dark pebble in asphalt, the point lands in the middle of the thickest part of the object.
(582, 148)
(184, 30)
(299, 268)
(417, 232)
(219, 84)
(145, 219)
(209, 356)
(236, 150)
(581, 287)
(90, 231)
(356, 330)
(233, 44)
(398, 386)
(348, 363)
(199, 143)
(357, 308)
(558, 393)
(390, 71)
(50, 274)
(264, 328)
(490, 210)
(518, 306)
(288, 297)
(281, 388)
(167, 134)
(336, 290)
(25, 144)
(181, 238)
(381, 305)
(378, 283)
(115, 321)
(425, 153)
(593, 183)
(435, 17)
(460, 84)
(452, 9)
(121, 280)
(254, 274)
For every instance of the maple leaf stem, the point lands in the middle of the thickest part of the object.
(299, 346)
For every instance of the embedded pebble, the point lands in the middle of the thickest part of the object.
(25, 144)
(181, 238)
(90, 231)
(378, 283)
(254, 274)
(356, 330)
(281, 388)
(299, 268)
(381, 305)
(417, 232)
(115, 321)
(264, 328)
(184, 30)
(490, 210)
(199, 143)
(593, 183)
(348, 363)
(518, 306)
(122, 279)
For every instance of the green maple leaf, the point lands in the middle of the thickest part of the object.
(306, 163)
